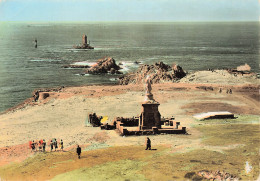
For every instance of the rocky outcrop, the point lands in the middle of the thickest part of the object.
(178, 71)
(104, 65)
(241, 70)
(158, 72)
(84, 46)
(217, 175)
(244, 68)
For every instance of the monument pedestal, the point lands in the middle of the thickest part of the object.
(150, 116)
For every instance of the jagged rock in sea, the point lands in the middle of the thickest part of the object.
(158, 72)
(85, 44)
(104, 65)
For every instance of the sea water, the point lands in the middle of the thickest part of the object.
(194, 46)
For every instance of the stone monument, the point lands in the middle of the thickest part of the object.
(150, 117)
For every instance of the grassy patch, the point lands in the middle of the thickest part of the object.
(248, 135)
(120, 170)
(226, 134)
(175, 167)
(46, 166)
(231, 159)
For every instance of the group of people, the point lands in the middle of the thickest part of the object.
(54, 144)
(41, 145)
(37, 145)
(228, 91)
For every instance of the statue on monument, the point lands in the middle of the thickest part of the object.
(148, 89)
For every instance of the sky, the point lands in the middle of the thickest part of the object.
(129, 10)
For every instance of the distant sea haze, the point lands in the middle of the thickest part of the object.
(194, 46)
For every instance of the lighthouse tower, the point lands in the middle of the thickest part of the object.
(84, 40)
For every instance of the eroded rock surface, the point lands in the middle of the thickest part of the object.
(104, 65)
(158, 72)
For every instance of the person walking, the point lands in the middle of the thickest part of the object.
(40, 145)
(51, 145)
(61, 144)
(55, 144)
(78, 151)
(36, 143)
(33, 145)
(148, 144)
(43, 145)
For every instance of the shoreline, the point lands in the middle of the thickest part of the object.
(188, 79)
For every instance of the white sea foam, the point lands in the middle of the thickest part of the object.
(113, 79)
(82, 74)
(84, 63)
(126, 66)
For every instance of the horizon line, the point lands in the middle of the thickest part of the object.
(217, 21)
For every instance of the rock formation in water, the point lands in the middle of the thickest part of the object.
(158, 72)
(104, 65)
(85, 44)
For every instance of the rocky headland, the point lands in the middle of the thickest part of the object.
(158, 72)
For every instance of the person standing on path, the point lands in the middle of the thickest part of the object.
(55, 144)
(33, 145)
(148, 143)
(61, 144)
(78, 151)
(51, 145)
(43, 145)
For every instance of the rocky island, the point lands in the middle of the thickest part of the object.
(103, 66)
(85, 44)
